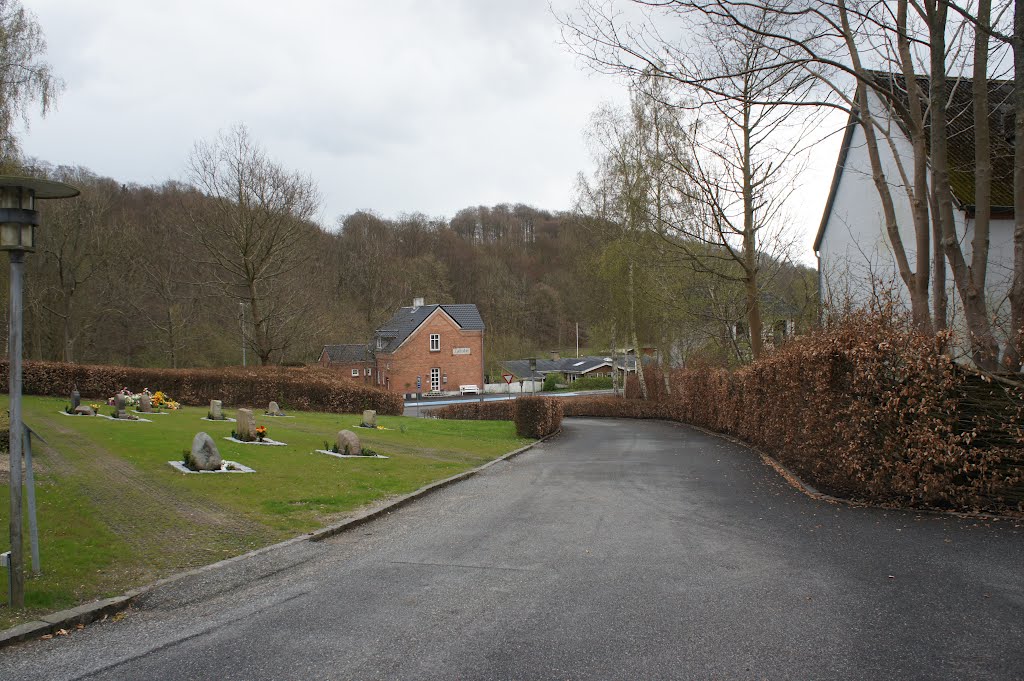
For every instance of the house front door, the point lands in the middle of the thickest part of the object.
(435, 379)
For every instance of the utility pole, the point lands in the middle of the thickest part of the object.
(577, 340)
(241, 306)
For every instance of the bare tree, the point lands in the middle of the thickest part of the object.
(255, 230)
(26, 80)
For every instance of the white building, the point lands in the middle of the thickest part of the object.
(855, 255)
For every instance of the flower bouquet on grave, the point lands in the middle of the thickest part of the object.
(261, 432)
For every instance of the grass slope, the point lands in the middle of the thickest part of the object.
(112, 514)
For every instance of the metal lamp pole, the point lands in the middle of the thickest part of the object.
(18, 221)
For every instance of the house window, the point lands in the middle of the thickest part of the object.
(380, 343)
(435, 342)
(435, 378)
(355, 372)
(368, 371)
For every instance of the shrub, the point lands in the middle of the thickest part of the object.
(592, 383)
(537, 416)
(311, 389)
(553, 380)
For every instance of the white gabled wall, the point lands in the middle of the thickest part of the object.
(856, 256)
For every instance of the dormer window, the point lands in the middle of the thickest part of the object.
(435, 342)
(380, 343)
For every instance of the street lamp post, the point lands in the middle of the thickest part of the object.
(18, 221)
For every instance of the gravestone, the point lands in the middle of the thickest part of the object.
(205, 456)
(215, 410)
(76, 399)
(119, 407)
(245, 426)
(274, 410)
(85, 410)
(145, 403)
(369, 418)
(348, 443)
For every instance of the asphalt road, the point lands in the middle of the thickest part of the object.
(617, 550)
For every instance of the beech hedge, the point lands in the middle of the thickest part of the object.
(866, 409)
(533, 416)
(537, 416)
(503, 410)
(305, 389)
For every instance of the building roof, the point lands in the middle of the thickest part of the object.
(407, 319)
(347, 354)
(960, 124)
(569, 365)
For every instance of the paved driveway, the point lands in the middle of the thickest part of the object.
(617, 550)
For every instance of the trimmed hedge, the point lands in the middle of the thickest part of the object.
(534, 416)
(311, 389)
(503, 410)
(537, 416)
(866, 410)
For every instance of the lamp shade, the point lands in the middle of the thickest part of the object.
(18, 214)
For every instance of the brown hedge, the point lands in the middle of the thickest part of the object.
(533, 416)
(503, 410)
(866, 409)
(307, 389)
(538, 416)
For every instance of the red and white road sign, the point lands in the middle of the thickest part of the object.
(508, 378)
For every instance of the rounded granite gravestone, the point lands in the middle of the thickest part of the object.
(369, 418)
(215, 411)
(274, 409)
(76, 399)
(348, 443)
(245, 425)
(205, 456)
(145, 403)
(119, 407)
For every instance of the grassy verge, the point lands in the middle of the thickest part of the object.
(113, 515)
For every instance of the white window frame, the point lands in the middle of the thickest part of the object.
(367, 371)
(355, 373)
(435, 378)
(435, 342)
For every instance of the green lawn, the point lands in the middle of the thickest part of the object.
(113, 515)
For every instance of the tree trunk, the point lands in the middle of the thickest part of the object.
(750, 245)
(632, 328)
(970, 287)
(1015, 351)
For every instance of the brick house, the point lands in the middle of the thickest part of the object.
(353, 361)
(426, 348)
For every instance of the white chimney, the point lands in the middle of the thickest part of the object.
(417, 303)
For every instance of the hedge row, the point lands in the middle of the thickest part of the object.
(866, 410)
(534, 416)
(503, 410)
(537, 416)
(306, 389)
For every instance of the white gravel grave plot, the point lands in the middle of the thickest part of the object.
(224, 468)
(150, 413)
(67, 414)
(266, 441)
(277, 416)
(140, 420)
(225, 420)
(350, 456)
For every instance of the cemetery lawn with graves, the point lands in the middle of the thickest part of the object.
(114, 515)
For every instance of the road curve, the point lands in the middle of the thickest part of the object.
(616, 550)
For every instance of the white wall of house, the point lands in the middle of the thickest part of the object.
(856, 256)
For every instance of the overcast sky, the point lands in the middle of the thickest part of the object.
(405, 106)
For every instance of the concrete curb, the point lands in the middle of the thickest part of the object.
(90, 612)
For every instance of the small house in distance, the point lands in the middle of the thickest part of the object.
(353, 360)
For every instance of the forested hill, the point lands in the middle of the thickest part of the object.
(173, 276)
